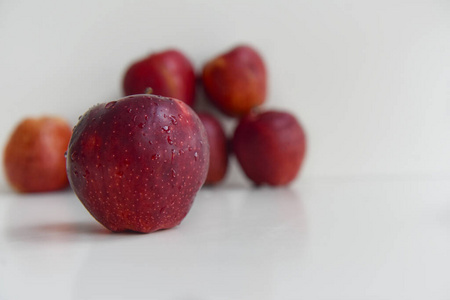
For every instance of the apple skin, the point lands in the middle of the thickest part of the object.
(218, 163)
(168, 73)
(34, 155)
(137, 163)
(236, 81)
(270, 147)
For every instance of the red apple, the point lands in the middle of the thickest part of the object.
(236, 81)
(137, 163)
(34, 155)
(270, 147)
(217, 139)
(168, 73)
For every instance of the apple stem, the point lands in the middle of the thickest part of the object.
(149, 90)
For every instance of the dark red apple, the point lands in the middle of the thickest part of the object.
(168, 73)
(236, 81)
(34, 155)
(218, 162)
(137, 163)
(270, 147)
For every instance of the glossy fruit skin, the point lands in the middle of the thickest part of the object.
(34, 155)
(236, 81)
(270, 147)
(218, 163)
(137, 163)
(168, 73)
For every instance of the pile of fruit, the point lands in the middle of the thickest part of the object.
(137, 163)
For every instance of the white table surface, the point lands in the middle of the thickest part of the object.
(319, 239)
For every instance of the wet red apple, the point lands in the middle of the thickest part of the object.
(236, 81)
(217, 139)
(34, 155)
(168, 73)
(137, 163)
(270, 147)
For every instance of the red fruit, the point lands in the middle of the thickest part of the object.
(236, 81)
(34, 155)
(137, 163)
(217, 139)
(168, 73)
(270, 147)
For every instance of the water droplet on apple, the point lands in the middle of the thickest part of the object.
(174, 120)
(86, 173)
(174, 174)
(155, 156)
(196, 155)
(65, 154)
(73, 156)
(141, 125)
(110, 104)
(169, 140)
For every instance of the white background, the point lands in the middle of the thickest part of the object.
(369, 216)
(369, 80)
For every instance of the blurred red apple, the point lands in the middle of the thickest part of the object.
(236, 81)
(270, 147)
(168, 73)
(34, 155)
(217, 139)
(137, 163)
